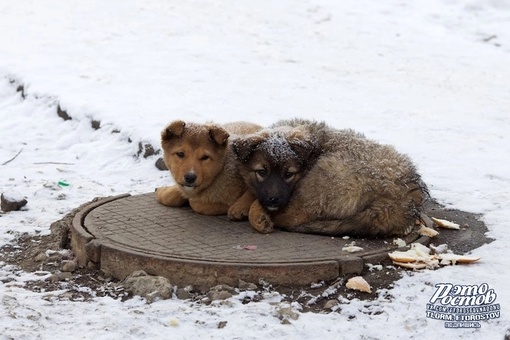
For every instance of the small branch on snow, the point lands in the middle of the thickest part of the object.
(13, 158)
(58, 163)
(489, 38)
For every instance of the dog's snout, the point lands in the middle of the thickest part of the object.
(274, 193)
(273, 201)
(190, 178)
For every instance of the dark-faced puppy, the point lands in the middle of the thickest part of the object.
(311, 178)
(273, 162)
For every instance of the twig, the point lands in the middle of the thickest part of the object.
(13, 158)
(489, 38)
(58, 163)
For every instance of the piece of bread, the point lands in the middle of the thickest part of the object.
(445, 223)
(358, 283)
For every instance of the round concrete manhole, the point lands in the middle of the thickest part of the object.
(126, 233)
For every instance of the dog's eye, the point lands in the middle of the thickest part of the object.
(180, 154)
(261, 173)
(204, 158)
(288, 175)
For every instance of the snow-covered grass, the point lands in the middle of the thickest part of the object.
(431, 78)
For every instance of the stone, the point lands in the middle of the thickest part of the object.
(226, 288)
(160, 164)
(183, 293)
(219, 295)
(69, 266)
(60, 229)
(12, 202)
(41, 257)
(147, 150)
(243, 285)
(221, 292)
(62, 113)
(148, 286)
(330, 304)
(96, 124)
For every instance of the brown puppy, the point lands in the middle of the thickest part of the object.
(311, 178)
(203, 166)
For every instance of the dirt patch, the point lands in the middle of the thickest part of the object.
(50, 257)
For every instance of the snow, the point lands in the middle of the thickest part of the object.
(429, 77)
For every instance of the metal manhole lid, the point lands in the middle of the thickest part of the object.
(127, 233)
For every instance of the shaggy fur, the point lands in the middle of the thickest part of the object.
(311, 178)
(203, 166)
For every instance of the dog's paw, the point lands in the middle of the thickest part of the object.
(170, 196)
(263, 224)
(259, 219)
(238, 212)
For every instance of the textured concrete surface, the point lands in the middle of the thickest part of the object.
(126, 233)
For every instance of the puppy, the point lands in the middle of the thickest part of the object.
(202, 164)
(308, 177)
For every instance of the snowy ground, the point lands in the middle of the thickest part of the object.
(431, 78)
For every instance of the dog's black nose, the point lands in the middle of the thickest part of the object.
(190, 178)
(274, 201)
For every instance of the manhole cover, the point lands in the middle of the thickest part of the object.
(127, 233)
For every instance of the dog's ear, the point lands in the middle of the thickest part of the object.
(307, 150)
(175, 129)
(218, 135)
(244, 147)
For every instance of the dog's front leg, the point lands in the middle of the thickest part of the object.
(170, 196)
(208, 208)
(260, 219)
(292, 216)
(241, 208)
